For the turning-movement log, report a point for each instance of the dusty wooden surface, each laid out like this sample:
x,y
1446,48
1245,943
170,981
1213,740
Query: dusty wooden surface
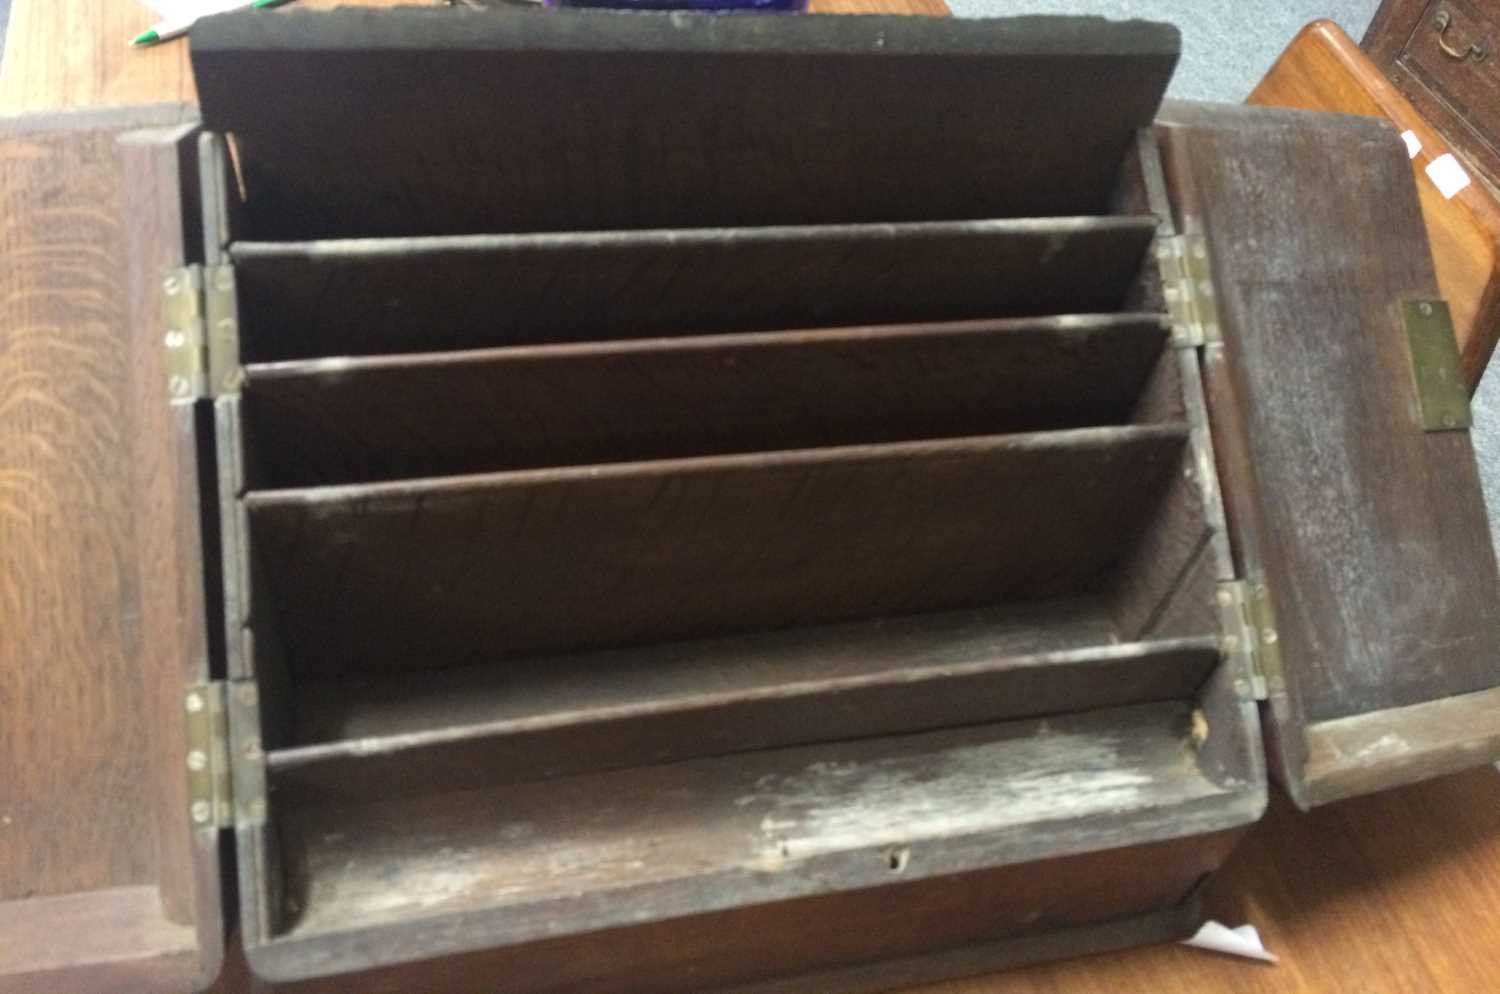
x,y
1348,498
1322,69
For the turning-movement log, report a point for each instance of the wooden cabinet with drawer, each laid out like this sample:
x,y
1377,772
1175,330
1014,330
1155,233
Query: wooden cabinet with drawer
x,y
581,502
1444,55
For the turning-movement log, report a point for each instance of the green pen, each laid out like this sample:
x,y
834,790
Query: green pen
x,y
167,30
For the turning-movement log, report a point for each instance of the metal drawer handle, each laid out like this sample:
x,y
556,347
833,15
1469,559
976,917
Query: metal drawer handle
x,y
1475,51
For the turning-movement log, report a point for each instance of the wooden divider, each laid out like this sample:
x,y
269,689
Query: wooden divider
x,y
361,420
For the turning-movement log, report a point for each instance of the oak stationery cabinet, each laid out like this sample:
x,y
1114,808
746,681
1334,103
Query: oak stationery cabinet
x,y
642,503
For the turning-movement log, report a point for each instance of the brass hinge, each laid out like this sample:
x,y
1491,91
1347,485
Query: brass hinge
x,y
201,317
225,761
1188,286
210,795
1442,397
1250,638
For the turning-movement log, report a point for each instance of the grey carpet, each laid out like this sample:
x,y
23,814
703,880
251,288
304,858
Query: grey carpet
x,y
1227,46
4,20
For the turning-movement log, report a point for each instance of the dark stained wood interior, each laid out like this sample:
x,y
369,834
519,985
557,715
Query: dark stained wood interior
x,y
366,297
360,420
498,121
494,566
546,718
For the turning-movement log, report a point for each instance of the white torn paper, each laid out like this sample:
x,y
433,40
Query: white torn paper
x,y
1243,941
1449,176
1413,143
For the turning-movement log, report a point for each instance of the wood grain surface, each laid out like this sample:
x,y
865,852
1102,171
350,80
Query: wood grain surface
x,y
1322,69
98,620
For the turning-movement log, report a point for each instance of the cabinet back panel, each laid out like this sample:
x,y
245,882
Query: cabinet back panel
x,y
498,120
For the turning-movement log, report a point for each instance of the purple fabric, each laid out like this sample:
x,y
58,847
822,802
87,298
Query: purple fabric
x,y
684,4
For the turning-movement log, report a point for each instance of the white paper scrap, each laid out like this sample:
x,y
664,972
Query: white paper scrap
x,y
1243,941
1413,143
1448,175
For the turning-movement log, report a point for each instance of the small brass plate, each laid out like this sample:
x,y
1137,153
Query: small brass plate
x,y
1442,400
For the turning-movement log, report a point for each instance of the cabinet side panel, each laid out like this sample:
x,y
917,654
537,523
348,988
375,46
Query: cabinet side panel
x,y
97,588
1369,532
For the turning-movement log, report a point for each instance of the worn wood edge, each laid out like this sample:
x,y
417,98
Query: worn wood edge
x,y
500,30
915,677
353,251
1383,749
291,957
1234,470
116,940
995,445
1145,324
165,481
1176,922
1205,114
1194,392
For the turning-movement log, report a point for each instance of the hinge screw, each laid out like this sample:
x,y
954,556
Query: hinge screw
x,y
194,703
171,284
197,761
246,694
202,811
251,749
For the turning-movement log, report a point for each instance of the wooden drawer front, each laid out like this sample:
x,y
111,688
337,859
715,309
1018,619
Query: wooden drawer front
x,y
1452,50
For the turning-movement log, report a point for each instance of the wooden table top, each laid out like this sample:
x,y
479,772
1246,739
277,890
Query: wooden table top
x,y
1393,894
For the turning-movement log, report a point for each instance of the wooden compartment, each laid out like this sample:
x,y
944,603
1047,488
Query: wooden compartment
x,y
699,570
581,853
604,573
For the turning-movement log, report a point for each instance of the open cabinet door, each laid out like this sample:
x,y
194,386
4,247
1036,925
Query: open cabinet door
x,y
105,883
1353,497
